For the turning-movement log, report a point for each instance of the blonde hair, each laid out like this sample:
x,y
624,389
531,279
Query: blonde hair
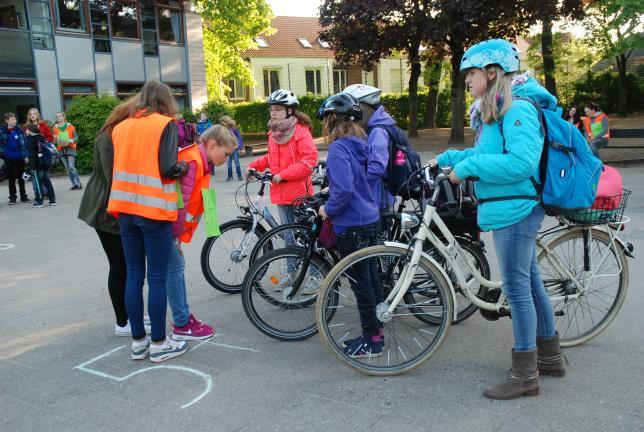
x,y
227,121
339,126
222,136
501,87
38,120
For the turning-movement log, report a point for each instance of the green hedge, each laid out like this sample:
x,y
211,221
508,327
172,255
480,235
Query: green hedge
x,y
87,114
603,89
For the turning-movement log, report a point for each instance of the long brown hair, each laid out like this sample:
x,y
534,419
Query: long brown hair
x,y
302,119
340,126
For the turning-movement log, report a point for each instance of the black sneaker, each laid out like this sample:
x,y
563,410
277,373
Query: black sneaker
x,y
240,178
362,348
52,203
25,200
38,204
12,201
229,179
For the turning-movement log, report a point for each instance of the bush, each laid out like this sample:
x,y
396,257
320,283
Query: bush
x,y
87,114
603,89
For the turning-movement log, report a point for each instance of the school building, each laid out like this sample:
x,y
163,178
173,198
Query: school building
x,y
53,50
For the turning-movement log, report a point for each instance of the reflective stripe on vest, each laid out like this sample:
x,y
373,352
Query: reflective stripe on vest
x,y
145,181
158,203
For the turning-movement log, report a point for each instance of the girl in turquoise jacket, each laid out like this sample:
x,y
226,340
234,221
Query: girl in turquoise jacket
x,y
505,159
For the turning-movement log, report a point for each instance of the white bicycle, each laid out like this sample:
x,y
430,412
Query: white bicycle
x,y
583,264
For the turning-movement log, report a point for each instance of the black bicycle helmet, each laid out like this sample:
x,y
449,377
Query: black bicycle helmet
x,y
341,103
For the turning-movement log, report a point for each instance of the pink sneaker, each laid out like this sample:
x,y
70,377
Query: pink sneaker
x,y
192,331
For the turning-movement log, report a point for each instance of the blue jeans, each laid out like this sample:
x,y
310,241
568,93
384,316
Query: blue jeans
x,y
597,144
146,239
176,287
516,251
234,157
287,216
69,162
365,278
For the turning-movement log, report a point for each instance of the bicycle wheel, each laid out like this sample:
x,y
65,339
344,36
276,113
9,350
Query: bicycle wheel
x,y
266,289
225,265
408,341
603,288
465,308
276,239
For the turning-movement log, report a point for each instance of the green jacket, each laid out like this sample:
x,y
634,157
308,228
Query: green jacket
x,y
93,206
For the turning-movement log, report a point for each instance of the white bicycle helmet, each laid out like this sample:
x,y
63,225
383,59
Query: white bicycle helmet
x,y
283,97
364,93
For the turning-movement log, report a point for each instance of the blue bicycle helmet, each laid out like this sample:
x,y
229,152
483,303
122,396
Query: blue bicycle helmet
x,y
340,103
491,52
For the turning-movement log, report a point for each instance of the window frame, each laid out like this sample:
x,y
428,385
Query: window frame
x,y
36,33
55,20
64,83
139,29
33,83
343,72
186,95
179,9
269,90
125,95
236,85
317,80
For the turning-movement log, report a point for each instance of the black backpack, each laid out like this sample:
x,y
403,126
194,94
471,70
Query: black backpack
x,y
404,162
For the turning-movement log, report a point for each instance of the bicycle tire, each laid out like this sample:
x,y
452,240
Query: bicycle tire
x,y
335,329
269,311
565,246
266,243
214,275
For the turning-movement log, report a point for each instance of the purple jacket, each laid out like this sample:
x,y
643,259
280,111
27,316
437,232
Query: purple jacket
x,y
187,189
378,158
351,202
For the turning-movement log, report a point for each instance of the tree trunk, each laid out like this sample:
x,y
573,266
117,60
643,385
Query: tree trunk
x,y
623,85
435,67
413,97
548,56
457,135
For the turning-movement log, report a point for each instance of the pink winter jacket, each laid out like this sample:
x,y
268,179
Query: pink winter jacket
x,y
187,188
293,161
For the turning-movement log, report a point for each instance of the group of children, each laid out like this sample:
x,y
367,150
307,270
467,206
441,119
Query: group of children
x,y
594,127
24,152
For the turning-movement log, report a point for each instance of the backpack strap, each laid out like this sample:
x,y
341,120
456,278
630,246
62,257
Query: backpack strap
x,y
537,186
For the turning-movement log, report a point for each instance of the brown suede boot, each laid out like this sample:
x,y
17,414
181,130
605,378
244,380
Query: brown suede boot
x,y
523,379
550,359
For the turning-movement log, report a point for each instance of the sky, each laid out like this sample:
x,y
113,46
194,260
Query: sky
x,y
295,7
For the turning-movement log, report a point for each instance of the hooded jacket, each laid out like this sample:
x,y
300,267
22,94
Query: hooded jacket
x,y
293,161
504,174
378,156
351,202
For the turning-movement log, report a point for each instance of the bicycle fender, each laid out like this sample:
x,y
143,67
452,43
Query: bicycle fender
x,y
438,266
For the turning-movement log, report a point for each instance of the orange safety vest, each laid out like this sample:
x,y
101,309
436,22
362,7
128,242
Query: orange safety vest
x,y
137,185
194,207
588,126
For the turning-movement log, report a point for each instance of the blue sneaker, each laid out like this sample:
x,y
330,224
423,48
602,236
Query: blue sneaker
x,y
363,348
381,333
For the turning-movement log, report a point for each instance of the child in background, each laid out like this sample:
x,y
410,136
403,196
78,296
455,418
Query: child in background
x,y
65,138
39,170
203,124
217,143
13,148
230,124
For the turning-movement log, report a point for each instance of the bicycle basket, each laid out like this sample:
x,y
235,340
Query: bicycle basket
x,y
609,209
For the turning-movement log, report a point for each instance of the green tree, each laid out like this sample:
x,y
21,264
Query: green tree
x,y
230,27
615,28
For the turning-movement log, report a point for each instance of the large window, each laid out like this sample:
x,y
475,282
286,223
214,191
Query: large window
x,y
98,12
70,15
149,28
271,81
13,15
16,55
396,80
70,89
313,81
170,29
237,91
368,78
339,80
18,97
180,92
124,17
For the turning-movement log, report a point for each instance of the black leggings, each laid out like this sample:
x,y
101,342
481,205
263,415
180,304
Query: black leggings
x,y
118,273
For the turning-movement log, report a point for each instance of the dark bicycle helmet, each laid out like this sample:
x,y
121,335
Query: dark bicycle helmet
x,y
283,97
341,103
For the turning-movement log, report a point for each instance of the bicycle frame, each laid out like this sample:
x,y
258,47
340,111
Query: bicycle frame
x,y
449,248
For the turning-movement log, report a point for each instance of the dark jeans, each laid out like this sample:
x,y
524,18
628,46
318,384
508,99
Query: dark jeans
x,y
365,280
42,184
146,239
14,172
117,277
234,157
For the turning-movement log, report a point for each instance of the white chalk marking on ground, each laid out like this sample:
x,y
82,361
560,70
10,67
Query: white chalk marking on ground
x,y
207,378
228,346
6,246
